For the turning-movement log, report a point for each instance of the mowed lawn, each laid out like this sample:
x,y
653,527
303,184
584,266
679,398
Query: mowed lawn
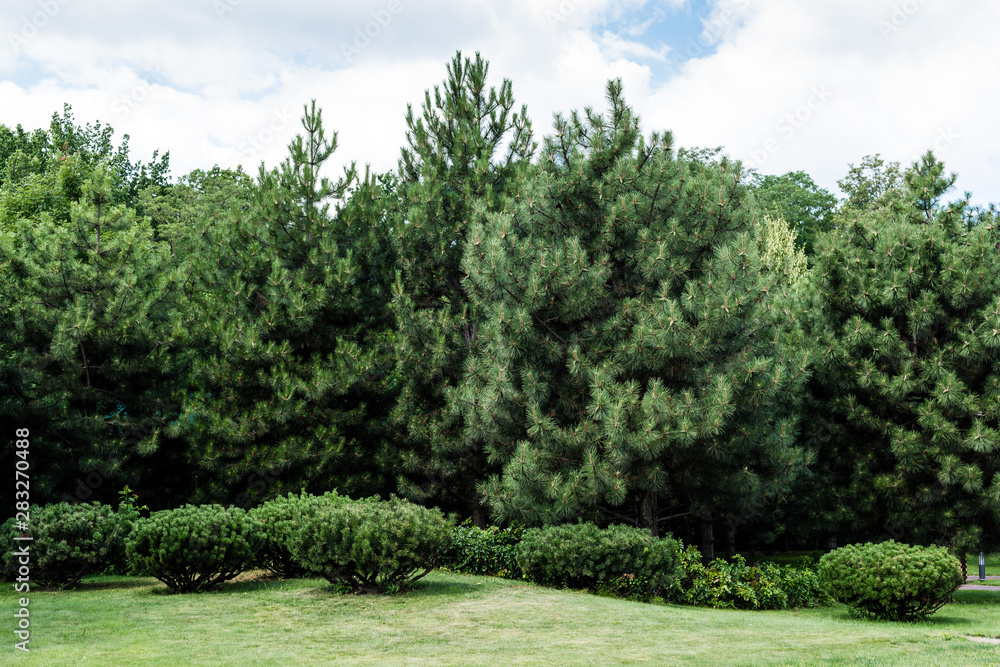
x,y
452,619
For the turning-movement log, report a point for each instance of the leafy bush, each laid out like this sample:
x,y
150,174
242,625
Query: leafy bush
x,y
488,551
736,585
368,545
69,542
129,510
585,556
890,580
276,520
194,547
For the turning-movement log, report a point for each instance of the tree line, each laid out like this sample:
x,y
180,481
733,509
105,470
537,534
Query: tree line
x,y
600,326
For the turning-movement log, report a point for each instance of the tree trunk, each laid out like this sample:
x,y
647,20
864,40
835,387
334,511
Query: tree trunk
x,y
479,517
730,540
649,510
707,537
963,558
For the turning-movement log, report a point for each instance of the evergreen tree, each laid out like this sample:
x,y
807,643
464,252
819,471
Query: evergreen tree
x,y
628,366
295,343
905,397
454,159
92,362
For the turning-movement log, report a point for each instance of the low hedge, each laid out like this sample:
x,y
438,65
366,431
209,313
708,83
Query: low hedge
x,y
617,559
69,542
890,580
736,585
194,547
368,545
487,551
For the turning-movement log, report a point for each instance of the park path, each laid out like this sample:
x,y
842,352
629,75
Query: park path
x,y
974,587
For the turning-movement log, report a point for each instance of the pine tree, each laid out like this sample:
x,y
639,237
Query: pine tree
x,y
296,341
93,358
627,368
453,160
905,396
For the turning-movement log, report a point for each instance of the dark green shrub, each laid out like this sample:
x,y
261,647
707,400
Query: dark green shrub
x,y
585,556
276,520
69,542
194,547
369,545
890,580
488,551
8,567
736,585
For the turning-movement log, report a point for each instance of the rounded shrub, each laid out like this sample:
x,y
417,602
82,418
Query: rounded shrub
x,y
368,545
890,580
194,547
69,542
276,519
583,556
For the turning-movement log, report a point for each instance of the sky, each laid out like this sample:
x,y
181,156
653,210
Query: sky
x,y
782,85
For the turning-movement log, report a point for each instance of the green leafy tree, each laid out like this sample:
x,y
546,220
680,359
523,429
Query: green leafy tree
x,y
201,197
796,198
21,153
94,144
872,184
24,154
905,395
454,159
628,367
295,343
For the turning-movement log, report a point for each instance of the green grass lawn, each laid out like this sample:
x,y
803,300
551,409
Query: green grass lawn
x,y
452,619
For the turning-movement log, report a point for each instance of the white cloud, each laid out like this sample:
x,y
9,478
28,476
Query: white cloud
x,y
898,94
813,85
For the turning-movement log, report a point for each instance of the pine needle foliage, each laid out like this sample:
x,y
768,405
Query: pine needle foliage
x,y
455,158
294,330
905,398
93,358
628,366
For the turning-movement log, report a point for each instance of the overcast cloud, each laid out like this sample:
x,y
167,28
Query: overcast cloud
x,y
780,84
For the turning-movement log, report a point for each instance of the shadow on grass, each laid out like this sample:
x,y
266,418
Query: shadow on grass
x,y
116,582
230,587
425,588
420,589
317,585
988,598
941,617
